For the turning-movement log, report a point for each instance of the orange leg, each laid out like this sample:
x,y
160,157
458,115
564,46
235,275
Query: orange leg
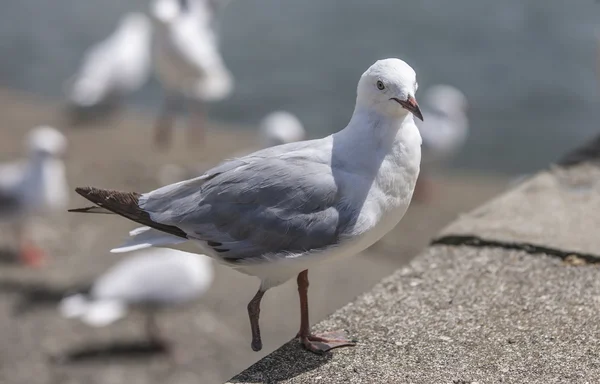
x,y
316,343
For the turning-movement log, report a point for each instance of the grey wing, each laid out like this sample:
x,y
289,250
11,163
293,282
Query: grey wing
x,y
258,206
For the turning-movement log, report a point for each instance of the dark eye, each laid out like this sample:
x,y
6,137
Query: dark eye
x,y
380,85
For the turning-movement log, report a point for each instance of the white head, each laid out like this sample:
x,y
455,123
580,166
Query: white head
x,y
47,141
136,22
447,99
280,127
167,11
389,87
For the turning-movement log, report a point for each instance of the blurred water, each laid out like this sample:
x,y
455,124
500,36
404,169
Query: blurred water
x,y
527,66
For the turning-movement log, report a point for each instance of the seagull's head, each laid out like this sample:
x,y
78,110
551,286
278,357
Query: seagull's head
x,y
168,11
447,99
47,141
389,87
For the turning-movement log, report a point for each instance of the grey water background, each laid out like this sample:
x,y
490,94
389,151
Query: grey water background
x,y
528,67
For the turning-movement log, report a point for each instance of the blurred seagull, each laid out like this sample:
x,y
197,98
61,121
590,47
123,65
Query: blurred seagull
x,y
444,131
38,186
188,64
113,68
153,279
280,127
278,212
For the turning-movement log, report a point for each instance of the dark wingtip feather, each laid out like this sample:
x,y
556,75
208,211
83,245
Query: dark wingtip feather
x,y
83,190
92,209
124,204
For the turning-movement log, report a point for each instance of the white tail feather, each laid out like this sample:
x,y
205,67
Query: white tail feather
x,y
146,237
73,306
93,313
102,313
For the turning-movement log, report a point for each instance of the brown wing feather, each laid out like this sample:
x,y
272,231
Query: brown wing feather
x,y
125,204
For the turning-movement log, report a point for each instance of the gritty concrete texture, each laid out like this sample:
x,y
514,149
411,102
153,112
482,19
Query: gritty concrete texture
x,y
554,209
211,338
460,315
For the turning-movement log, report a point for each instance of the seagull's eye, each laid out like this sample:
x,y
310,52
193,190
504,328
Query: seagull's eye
x,y
380,85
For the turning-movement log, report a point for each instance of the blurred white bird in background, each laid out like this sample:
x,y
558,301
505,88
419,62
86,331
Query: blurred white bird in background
x,y
113,68
35,187
444,130
151,280
280,127
188,64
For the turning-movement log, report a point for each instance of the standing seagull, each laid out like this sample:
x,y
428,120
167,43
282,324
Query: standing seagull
x,y
188,64
153,279
279,211
38,186
444,132
114,67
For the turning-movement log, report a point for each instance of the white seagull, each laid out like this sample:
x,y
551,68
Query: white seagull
x,y
153,279
115,67
280,127
444,130
188,63
35,187
282,210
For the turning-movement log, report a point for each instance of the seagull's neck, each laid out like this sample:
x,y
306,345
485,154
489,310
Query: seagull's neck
x,y
376,131
372,139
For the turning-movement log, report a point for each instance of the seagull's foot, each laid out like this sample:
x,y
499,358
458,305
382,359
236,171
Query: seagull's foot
x,y
256,345
32,256
325,342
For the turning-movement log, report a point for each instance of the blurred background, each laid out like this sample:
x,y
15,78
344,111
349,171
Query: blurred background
x,y
527,68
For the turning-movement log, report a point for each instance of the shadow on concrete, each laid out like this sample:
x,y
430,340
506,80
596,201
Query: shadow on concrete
x,y
33,295
131,350
9,256
285,363
91,117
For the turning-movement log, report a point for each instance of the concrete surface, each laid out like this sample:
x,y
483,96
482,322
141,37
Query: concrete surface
x,y
552,209
211,339
460,315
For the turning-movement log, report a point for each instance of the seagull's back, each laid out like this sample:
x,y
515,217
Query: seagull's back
x,y
188,58
115,66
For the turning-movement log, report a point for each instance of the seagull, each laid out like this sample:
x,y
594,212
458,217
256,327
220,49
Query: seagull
x,y
113,68
444,132
35,187
280,127
151,279
188,63
277,212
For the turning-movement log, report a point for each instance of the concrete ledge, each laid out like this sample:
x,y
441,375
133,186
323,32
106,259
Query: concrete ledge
x,y
552,210
508,293
458,315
